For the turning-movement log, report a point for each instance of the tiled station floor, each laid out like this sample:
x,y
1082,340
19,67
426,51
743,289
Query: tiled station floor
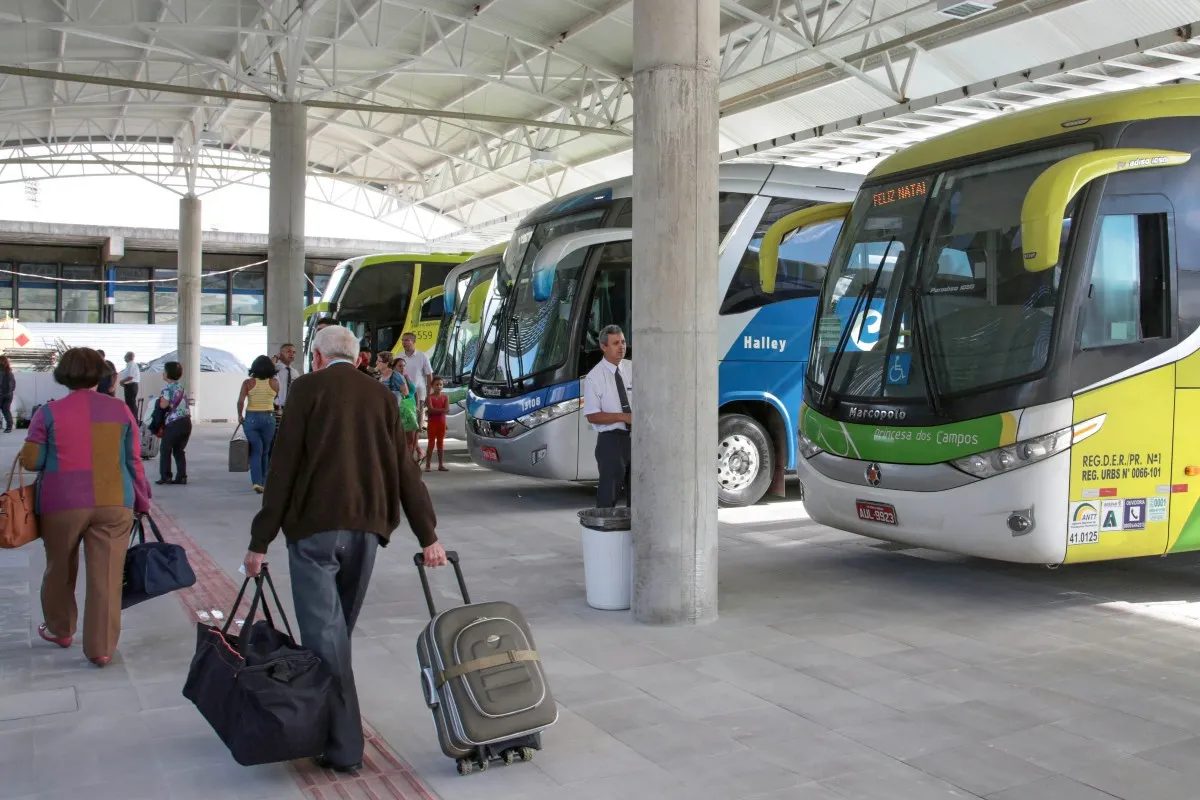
x,y
841,669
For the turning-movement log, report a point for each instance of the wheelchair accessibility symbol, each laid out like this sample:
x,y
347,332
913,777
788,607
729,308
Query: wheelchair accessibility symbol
x,y
898,368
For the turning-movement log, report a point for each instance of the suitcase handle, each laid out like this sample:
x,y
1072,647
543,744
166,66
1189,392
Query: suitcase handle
x,y
452,557
431,695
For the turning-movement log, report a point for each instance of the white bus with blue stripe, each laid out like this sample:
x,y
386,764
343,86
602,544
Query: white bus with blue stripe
x,y
567,274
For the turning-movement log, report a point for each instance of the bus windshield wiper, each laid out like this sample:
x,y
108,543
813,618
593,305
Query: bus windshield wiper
x,y
497,323
925,351
515,331
840,348
865,295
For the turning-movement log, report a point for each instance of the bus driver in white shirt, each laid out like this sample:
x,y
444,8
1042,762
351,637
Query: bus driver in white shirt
x,y
607,398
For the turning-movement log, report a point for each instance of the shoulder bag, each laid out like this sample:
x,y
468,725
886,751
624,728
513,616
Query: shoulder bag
x,y
239,451
18,510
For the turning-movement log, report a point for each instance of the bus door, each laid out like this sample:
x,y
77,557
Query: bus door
x,y
1124,484
609,303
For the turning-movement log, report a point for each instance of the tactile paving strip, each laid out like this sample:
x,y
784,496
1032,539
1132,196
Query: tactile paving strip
x,y
384,776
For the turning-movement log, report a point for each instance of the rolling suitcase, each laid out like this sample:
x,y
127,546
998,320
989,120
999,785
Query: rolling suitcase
x,y
150,441
482,679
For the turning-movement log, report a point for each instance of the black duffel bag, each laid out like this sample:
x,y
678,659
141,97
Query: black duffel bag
x,y
153,568
267,697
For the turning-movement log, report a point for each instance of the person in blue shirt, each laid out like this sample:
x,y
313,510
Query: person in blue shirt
x,y
177,426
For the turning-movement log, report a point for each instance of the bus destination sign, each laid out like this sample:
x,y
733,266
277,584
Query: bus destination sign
x,y
895,194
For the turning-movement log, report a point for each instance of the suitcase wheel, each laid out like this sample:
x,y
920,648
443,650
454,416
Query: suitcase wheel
x,y
468,765
527,754
508,756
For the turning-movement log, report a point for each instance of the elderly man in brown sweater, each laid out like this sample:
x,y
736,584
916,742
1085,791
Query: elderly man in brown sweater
x,y
339,479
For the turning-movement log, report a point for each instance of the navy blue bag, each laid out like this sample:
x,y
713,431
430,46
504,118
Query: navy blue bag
x,y
153,568
266,697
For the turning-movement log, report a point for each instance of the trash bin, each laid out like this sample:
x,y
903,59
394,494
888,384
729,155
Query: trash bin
x,y
607,557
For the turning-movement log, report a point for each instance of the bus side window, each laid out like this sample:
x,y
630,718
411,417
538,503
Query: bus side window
x,y
611,302
1129,300
433,309
803,256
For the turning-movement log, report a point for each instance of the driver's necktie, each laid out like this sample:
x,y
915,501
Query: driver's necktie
x,y
623,396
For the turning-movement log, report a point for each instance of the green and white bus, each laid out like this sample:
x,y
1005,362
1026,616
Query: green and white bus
x,y
1006,358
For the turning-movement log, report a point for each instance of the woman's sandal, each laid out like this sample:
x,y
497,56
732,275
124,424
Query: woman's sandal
x,y
62,641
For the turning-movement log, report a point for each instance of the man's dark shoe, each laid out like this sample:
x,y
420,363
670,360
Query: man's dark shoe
x,y
349,769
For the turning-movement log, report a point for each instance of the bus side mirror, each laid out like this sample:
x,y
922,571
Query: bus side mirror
x,y
1046,202
475,302
543,284
768,254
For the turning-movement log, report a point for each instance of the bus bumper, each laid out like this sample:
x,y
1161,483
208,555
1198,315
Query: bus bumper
x,y
549,451
971,519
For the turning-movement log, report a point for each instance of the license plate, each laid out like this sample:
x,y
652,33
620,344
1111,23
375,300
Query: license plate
x,y
490,454
876,512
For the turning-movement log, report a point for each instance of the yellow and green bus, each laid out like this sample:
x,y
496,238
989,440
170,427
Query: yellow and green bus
x,y
1006,357
380,297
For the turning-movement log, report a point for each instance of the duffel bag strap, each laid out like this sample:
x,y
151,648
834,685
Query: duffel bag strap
x,y
487,662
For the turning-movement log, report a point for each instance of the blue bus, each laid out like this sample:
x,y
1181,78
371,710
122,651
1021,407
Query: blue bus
x,y
566,274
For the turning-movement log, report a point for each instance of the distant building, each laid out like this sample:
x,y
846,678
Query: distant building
x,y
80,274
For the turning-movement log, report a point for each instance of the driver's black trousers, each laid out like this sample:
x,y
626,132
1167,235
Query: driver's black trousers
x,y
614,451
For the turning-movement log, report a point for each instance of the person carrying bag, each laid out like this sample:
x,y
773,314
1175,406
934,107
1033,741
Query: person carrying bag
x,y
268,698
406,394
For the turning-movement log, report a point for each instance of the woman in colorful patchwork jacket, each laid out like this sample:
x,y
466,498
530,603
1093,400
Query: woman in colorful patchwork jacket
x,y
87,449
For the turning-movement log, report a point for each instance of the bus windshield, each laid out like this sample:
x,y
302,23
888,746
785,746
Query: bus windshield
x,y
937,256
335,282
378,292
458,339
529,336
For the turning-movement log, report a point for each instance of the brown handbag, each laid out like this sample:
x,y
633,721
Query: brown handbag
x,y
18,522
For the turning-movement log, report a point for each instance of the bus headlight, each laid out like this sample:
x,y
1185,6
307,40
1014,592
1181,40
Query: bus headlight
x,y
1014,456
494,429
544,415
808,448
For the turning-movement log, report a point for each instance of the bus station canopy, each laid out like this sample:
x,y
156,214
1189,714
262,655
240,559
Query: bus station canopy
x,y
451,118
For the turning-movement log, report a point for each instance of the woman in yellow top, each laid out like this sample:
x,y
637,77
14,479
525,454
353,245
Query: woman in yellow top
x,y
258,418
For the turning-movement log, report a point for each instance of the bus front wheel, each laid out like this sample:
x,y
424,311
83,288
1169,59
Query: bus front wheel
x,y
745,460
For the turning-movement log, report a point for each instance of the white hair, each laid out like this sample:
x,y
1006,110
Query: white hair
x,y
335,342
609,330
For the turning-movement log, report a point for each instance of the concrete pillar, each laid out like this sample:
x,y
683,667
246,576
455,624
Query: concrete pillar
x,y
285,242
187,320
674,342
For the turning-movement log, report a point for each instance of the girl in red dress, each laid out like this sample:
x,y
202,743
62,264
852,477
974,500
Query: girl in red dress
x,y
436,406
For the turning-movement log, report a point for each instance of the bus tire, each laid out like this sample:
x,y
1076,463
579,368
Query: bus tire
x,y
745,460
